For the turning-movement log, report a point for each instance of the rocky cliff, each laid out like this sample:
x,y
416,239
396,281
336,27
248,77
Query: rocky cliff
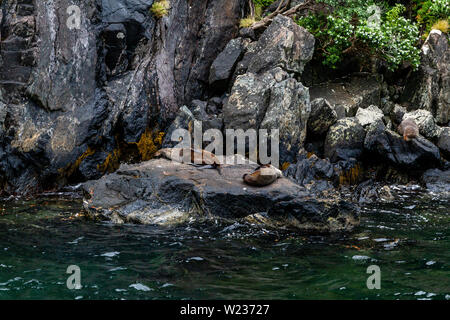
x,y
84,90
80,94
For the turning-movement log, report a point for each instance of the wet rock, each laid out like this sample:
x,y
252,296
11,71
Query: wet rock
x,y
425,121
429,87
318,175
345,140
369,191
321,118
437,180
225,63
444,142
283,44
369,115
388,145
348,94
151,191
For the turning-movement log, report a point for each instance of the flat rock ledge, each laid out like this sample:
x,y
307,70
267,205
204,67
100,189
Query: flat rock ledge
x,y
164,192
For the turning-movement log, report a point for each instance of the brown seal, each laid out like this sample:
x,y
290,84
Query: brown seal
x,y
408,129
262,176
194,156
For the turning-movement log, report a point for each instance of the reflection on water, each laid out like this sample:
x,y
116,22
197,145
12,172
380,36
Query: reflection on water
x,y
409,240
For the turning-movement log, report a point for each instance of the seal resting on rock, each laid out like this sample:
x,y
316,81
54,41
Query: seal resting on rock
x,y
262,176
409,129
179,155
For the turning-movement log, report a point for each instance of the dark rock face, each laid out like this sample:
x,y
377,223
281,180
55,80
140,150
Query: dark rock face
x,y
437,180
77,101
444,142
225,63
321,118
429,87
345,140
320,176
161,190
388,145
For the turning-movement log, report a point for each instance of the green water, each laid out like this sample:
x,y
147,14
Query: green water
x,y
409,240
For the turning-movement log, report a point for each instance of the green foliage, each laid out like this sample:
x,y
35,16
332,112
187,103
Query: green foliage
x,y
431,11
345,28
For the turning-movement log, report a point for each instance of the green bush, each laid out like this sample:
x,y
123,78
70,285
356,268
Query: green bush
x,y
430,12
344,28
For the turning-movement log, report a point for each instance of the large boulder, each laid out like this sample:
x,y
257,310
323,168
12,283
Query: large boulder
x,y
288,111
283,44
270,101
348,94
345,140
249,99
429,87
369,115
425,121
388,145
321,118
161,190
223,66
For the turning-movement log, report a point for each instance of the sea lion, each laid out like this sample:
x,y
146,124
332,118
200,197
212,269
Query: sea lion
x,y
178,154
408,129
262,176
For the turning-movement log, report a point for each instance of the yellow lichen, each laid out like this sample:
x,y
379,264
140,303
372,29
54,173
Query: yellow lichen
x,y
441,25
160,8
285,165
247,22
149,143
74,166
111,163
351,176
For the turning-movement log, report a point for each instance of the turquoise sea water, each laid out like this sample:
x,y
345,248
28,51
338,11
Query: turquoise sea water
x,y
409,240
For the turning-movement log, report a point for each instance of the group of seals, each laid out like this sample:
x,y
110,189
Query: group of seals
x,y
408,129
262,176
191,156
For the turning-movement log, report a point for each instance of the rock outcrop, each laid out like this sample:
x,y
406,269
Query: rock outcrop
x,y
345,140
164,191
429,87
390,146
80,98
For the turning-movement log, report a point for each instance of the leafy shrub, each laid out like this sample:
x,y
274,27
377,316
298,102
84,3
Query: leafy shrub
x,y
345,28
430,12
